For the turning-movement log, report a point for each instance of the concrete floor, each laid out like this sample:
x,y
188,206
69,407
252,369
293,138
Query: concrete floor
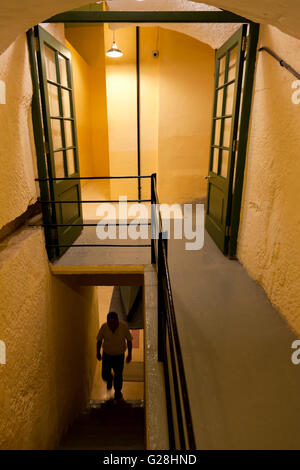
x,y
243,387
101,255
93,256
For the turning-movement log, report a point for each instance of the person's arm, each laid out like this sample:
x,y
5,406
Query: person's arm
x,y
99,344
129,346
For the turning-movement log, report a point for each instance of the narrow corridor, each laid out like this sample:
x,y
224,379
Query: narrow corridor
x,y
107,423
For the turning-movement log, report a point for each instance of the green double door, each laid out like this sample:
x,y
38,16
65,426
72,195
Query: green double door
x,y
224,143
60,141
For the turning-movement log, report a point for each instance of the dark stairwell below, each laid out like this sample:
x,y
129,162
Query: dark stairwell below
x,y
108,425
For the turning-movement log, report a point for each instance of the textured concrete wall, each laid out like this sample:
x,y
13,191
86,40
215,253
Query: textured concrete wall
x,y
17,151
270,230
49,329
17,188
213,34
16,15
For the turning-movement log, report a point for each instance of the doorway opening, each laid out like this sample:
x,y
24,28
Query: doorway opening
x,y
127,302
148,113
107,422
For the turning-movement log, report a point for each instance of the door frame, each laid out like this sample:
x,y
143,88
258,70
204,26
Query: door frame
x,y
217,181
58,234
38,132
246,107
222,16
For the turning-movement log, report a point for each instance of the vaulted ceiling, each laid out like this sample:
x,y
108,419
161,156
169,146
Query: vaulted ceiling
x,y
16,16
212,34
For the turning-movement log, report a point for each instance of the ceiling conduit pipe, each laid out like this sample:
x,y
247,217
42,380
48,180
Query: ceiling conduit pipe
x,y
281,61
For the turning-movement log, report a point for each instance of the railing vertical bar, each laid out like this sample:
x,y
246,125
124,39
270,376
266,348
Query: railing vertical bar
x,y
138,106
168,392
176,385
153,219
161,317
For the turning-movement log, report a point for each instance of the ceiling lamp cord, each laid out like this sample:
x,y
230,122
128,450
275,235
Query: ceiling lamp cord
x,y
114,52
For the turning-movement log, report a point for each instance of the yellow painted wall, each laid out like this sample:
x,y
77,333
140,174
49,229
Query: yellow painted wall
x,y
149,93
48,327
121,82
81,78
121,111
186,74
269,236
176,106
87,46
17,187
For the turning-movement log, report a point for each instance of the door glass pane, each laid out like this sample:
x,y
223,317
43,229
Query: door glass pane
x,y
222,70
53,100
59,164
232,64
70,161
68,134
224,167
229,99
215,161
66,103
50,64
56,134
220,102
63,70
218,131
227,132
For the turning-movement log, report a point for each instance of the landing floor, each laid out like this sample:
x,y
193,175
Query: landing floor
x,y
243,387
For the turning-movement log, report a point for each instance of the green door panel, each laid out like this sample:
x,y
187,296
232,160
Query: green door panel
x,y
227,97
59,121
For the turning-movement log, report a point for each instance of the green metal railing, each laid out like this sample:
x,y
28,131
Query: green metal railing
x,y
50,202
181,431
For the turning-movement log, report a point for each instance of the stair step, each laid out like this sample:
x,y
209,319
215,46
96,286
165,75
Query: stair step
x,y
108,425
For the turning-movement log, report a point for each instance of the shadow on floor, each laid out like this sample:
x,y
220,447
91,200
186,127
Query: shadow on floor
x,y
108,425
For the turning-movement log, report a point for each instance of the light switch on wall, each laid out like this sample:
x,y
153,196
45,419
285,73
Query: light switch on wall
x,y
2,92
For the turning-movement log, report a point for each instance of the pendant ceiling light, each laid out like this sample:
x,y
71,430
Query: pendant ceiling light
x,y
114,51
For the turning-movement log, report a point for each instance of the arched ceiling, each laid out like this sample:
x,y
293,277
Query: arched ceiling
x,y
16,16
212,34
284,14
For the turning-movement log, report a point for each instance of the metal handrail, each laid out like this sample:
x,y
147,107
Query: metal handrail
x,y
62,178
44,203
183,383
168,325
80,201
282,62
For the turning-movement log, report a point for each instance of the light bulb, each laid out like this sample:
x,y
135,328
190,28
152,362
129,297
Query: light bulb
x,y
114,51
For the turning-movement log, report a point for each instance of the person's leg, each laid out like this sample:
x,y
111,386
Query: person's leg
x,y
106,370
118,366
